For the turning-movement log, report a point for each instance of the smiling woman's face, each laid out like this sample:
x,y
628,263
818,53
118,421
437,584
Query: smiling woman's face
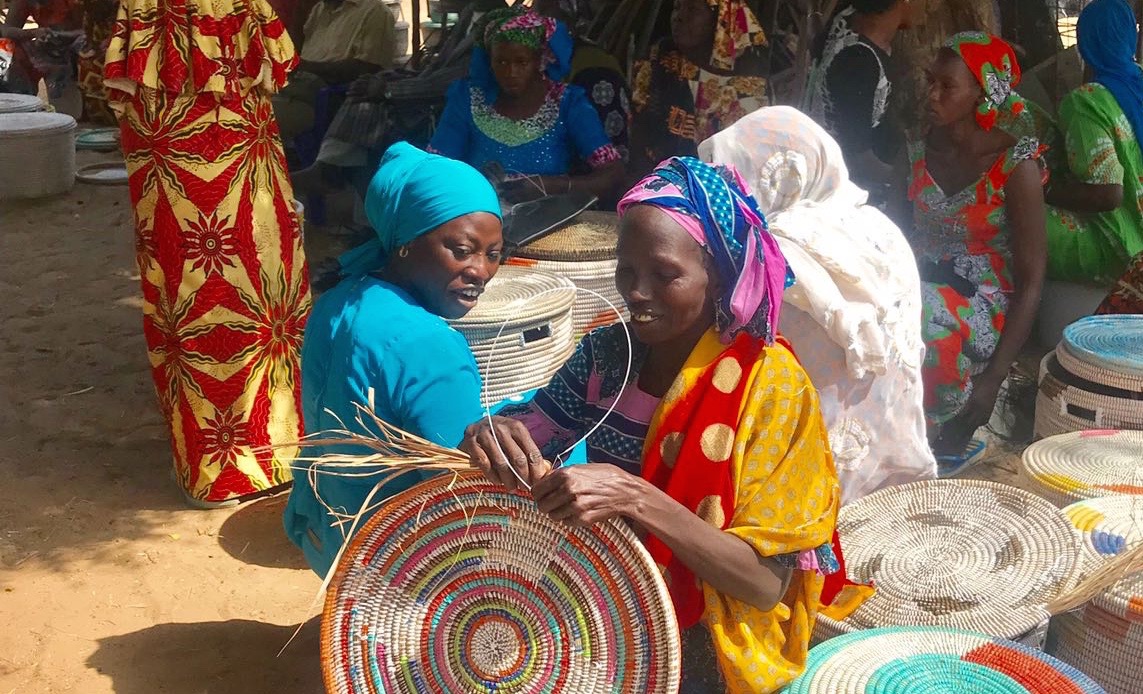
x,y
447,268
664,277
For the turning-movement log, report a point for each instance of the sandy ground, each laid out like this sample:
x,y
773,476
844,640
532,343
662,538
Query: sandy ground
x,y
107,582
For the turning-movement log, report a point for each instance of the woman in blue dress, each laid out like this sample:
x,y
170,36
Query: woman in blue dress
x,y
515,111
380,337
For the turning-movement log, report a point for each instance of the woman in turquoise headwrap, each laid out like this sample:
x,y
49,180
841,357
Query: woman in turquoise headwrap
x,y
379,338
515,111
1097,224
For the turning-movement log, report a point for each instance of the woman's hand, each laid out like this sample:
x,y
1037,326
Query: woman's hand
x,y
370,88
503,449
957,432
585,494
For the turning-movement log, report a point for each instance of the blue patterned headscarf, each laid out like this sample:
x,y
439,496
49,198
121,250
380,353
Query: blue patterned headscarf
x,y
520,25
413,193
714,205
1107,39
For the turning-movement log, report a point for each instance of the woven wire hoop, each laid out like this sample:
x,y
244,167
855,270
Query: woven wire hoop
x,y
965,554
1066,468
458,585
924,660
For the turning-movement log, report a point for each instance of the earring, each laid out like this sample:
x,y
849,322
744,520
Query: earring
x,y
403,252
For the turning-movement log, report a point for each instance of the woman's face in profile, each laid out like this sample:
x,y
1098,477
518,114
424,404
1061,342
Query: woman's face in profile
x,y
446,269
662,274
954,93
515,67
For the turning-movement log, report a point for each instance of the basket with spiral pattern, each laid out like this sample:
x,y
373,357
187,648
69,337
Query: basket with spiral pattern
x,y
1083,465
583,252
458,585
928,660
1094,378
964,554
1104,638
520,331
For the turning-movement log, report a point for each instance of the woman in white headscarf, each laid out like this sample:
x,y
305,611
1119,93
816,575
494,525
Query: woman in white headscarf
x,y
856,318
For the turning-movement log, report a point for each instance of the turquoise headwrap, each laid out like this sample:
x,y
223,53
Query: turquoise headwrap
x,y
412,193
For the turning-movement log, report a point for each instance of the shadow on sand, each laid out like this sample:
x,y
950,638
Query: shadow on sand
x,y
254,535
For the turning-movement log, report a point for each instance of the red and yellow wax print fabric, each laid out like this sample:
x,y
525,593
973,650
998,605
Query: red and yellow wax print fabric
x,y
218,243
739,440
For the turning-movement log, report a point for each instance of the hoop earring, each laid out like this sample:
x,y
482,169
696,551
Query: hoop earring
x,y
403,252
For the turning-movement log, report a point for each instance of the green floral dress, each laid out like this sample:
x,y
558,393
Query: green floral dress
x,y
1101,150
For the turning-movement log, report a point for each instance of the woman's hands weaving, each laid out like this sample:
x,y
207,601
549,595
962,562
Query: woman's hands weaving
x,y
503,449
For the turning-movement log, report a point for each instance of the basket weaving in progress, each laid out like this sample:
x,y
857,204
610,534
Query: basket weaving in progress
x,y
458,585
37,155
520,331
1104,638
928,660
964,554
1084,465
583,252
1094,378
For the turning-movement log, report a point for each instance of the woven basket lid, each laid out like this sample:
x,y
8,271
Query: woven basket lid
x,y
18,125
1110,342
20,103
518,297
457,585
966,554
1109,526
590,236
934,660
1086,464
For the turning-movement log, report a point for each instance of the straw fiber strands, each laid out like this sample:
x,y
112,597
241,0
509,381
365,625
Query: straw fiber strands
x,y
1094,378
932,660
520,331
458,585
1083,465
1104,638
583,252
965,554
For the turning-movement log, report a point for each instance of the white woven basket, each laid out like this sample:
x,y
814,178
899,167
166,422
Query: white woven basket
x,y
1062,407
520,331
1067,468
37,155
20,103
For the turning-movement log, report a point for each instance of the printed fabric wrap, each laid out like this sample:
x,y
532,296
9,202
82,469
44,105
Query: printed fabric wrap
x,y
992,61
526,28
715,207
736,31
1107,38
739,441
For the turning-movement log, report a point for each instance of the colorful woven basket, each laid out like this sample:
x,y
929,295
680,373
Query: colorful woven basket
x,y
520,331
964,554
583,252
1094,378
461,586
928,660
1083,465
1104,638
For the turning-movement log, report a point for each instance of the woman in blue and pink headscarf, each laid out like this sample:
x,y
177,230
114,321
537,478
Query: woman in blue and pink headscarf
x,y
714,447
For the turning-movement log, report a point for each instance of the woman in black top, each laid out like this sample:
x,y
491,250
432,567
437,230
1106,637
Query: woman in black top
x,y
850,87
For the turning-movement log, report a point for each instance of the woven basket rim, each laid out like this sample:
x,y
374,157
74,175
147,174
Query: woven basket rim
x,y
546,296
576,241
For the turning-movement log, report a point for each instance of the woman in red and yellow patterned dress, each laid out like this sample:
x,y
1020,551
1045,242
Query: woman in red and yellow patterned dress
x,y
218,243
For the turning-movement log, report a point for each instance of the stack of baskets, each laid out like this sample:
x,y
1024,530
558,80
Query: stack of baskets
x,y
37,154
520,331
1104,638
583,252
1094,378
1067,468
20,103
965,554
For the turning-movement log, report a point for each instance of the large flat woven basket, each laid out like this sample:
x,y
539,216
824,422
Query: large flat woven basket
x,y
1066,468
583,252
964,554
1094,378
37,155
932,660
457,586
1104,638
520,331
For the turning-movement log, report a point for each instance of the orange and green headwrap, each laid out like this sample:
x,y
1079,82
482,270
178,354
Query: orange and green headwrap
x,y
992,61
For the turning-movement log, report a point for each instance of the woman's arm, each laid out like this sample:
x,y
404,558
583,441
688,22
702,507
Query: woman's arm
x,y
1093,181
1084,197
600,182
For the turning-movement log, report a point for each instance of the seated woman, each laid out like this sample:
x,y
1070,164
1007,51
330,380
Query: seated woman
x,y
715,448
515,111
853,313
379,338
1096,225
709,73
46,52
979,238
850,88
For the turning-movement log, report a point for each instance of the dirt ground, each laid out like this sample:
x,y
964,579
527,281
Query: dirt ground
x,y
108,583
